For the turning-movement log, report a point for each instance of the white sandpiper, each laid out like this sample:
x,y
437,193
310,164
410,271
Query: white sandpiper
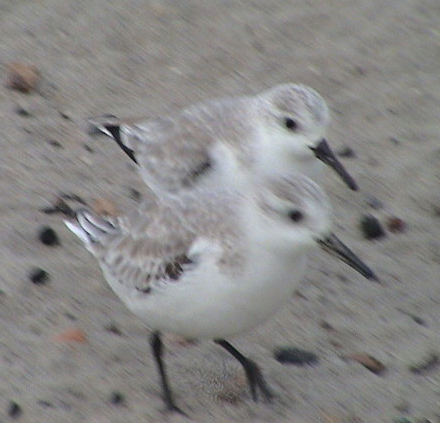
x,y
216,142
211,264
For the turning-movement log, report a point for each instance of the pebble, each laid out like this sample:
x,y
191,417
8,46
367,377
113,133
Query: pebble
x,y
14,410
72,335
113,328
22,77
116,398
135,194
395,225
369,362
371,227
22,112
39,276
296,356
346,151
428,363
48,236
55,143
88,148
394,140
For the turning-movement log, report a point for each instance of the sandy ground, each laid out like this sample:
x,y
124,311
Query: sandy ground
x,y
375,62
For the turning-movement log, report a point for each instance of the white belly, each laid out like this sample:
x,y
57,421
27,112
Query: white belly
x,y
216,307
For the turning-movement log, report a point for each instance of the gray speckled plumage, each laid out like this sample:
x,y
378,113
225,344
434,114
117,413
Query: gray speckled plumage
x,y
210,141
152,243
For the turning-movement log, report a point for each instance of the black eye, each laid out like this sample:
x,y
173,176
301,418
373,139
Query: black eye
x,y
290,124
296,215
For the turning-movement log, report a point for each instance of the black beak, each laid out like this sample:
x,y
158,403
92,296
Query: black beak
x,y
324,153
335,247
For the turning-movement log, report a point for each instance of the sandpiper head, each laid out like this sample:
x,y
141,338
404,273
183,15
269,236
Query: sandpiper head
x,y
296,216
296,118
295,210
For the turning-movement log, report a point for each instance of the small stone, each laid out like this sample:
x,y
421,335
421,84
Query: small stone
x,y
395,224
88,148
371,227
431,361
14,410
55,143
393,140
72,335
116,398
39,276
22,112
105,207
296,356
346,151
403,406
64,115
48,236
368,361
113,328
135,194
22,77
326,325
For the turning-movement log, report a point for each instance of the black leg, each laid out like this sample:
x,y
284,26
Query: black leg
x,y
157,347
253,373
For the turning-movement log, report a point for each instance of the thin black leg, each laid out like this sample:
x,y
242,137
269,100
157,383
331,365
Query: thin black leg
x,y
253,373
157,347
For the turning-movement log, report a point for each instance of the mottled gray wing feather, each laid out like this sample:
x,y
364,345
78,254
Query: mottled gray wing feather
x,y
175,151
153,243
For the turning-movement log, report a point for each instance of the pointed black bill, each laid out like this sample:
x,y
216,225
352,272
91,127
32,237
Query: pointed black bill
x,y
110,126
115,133
324,153
333,245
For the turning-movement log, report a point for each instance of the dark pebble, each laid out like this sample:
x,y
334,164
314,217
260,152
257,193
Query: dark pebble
x,y
426,365
39,276
393,140
48,236
371,227
296,356
22,112
88,148
14,410
55,143
113,328
346,151
64,115
71,316
116,398
135,194
326,325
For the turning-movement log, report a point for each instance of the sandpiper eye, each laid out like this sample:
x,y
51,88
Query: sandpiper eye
x,y
290,124
296,215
